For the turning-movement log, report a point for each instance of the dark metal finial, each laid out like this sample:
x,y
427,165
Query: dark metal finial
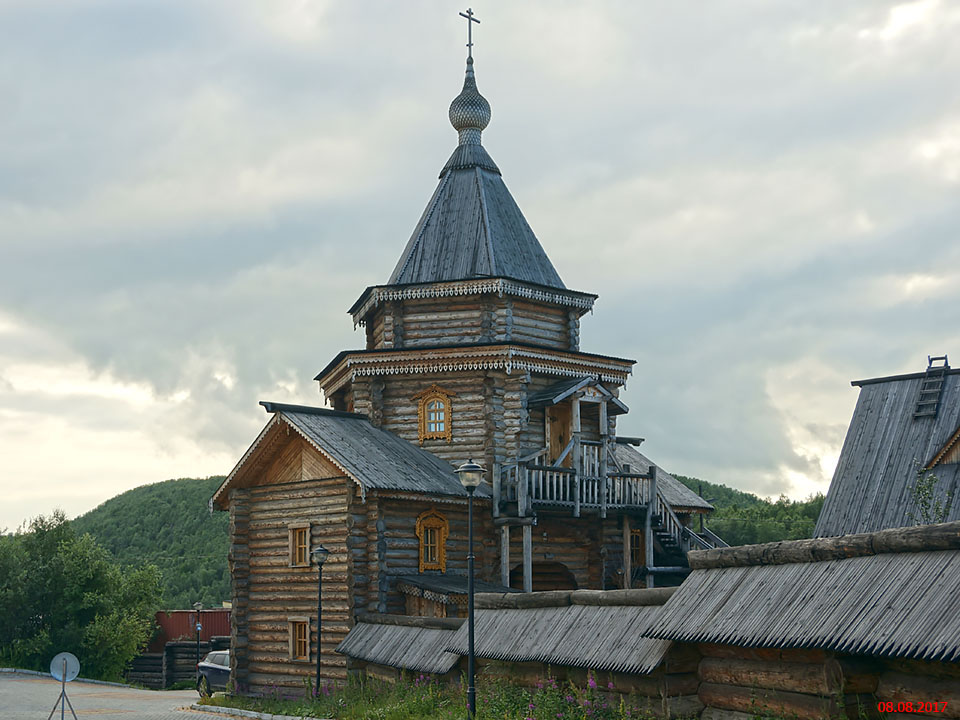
x,y
470,20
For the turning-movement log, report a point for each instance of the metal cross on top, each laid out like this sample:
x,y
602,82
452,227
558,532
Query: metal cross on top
x,y
470,21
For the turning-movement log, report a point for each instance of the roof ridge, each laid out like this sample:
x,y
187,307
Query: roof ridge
x,y
920,538
274,407
892,378
414,241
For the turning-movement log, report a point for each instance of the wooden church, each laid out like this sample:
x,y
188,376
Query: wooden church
x,y
472,352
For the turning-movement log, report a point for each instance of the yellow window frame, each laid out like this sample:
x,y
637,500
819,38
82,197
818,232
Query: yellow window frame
x,y
432,532
435,414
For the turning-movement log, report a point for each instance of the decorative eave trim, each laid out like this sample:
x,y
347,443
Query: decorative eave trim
x,y
374,296
501,357
459,599
415,496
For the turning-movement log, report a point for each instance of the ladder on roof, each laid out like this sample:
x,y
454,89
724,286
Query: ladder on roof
x,y
931,387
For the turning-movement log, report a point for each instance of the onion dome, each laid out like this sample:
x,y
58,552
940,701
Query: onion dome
x,y
469,111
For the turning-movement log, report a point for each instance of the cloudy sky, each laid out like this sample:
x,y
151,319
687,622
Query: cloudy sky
x,y
193,193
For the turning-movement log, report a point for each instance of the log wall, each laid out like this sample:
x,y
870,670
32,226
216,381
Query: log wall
x,y
558,538
489,416
539,324
398,548
812,684
469,320
275,591
239,563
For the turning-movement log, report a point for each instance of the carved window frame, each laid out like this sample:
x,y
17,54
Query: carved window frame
x,y
295,532
431,524
434,393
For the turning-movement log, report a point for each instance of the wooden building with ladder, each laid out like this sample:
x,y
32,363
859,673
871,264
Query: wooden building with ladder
x,y
472,352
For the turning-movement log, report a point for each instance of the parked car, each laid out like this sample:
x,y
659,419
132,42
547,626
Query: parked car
x,y
213,672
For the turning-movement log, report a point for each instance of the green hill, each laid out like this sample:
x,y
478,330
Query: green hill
x,y
168,524
742,518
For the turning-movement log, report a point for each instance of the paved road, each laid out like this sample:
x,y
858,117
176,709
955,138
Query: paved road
x,y
25,697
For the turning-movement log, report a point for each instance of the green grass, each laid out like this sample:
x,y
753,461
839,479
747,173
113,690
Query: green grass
x,y
419,697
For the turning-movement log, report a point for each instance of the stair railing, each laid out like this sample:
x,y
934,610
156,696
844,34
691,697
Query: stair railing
x,y
670,522
713,538
695,539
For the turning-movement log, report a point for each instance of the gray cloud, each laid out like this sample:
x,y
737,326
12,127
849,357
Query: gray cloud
x,y
192,195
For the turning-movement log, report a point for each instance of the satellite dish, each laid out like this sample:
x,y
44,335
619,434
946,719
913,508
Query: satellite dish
x,y
65,667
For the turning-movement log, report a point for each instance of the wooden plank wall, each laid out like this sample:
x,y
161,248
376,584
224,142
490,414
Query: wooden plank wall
x,y
612,552
278,591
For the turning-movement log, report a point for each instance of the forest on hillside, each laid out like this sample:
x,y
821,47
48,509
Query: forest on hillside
x,y
168,524
742,518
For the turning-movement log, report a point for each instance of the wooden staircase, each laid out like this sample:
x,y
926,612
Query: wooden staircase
x,y
931,387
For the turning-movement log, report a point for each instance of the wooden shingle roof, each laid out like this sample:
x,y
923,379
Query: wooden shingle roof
x,y
472,228
889,594
579,628
373,458
874,484
414,643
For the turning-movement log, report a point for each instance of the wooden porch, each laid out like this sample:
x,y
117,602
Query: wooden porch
x,y
594,485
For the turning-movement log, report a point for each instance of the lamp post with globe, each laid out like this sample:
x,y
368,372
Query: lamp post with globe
x,y
471,475
319,554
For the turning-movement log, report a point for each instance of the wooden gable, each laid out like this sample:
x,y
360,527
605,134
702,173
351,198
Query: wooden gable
x,y
296,461
949,453
279,455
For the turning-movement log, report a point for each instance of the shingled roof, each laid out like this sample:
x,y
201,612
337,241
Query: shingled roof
x,y
888,594
578,628
411,643
874,484
472,226
373,458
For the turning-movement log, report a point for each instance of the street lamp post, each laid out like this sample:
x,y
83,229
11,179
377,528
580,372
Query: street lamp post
x,y
320,554
198,606
471,475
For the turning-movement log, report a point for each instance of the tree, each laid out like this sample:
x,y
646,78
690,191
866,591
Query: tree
x,y
63,592
930,506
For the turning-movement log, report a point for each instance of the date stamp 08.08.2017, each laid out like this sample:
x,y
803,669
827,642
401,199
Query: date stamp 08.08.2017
x,y
934,706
